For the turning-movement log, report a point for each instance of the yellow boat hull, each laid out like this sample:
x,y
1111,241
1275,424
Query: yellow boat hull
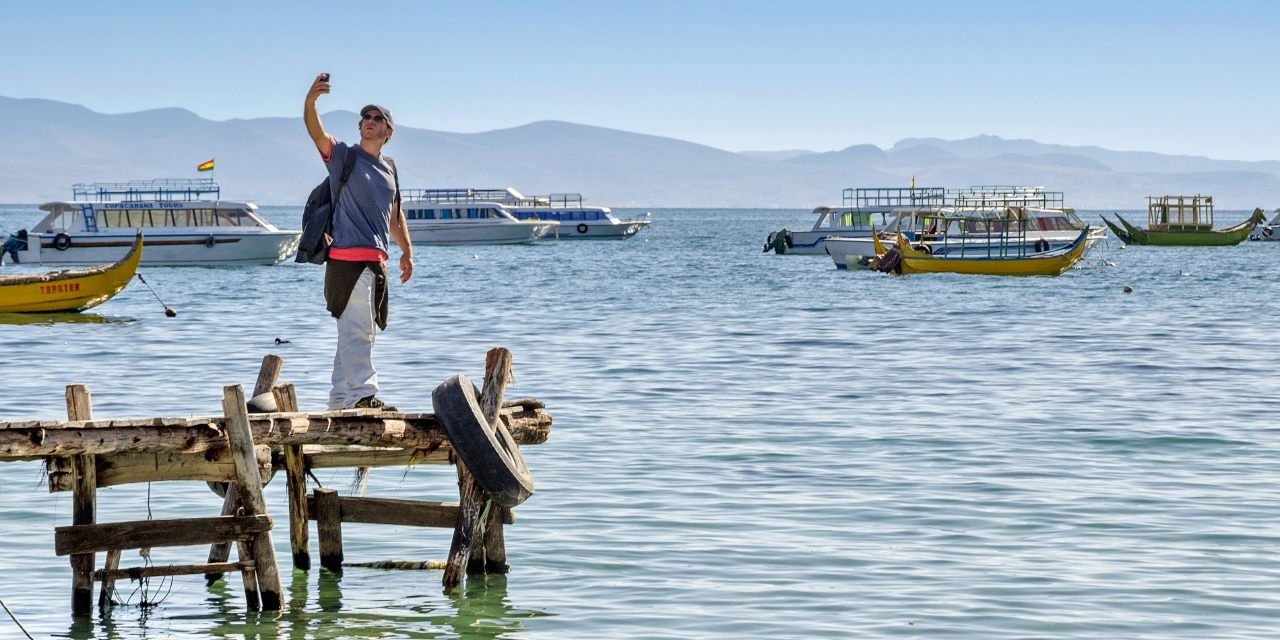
x,y
70,290
1049,263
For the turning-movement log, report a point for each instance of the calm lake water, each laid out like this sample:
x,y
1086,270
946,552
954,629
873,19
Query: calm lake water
x,y
745,445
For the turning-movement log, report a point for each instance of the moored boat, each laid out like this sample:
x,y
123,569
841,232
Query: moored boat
x,y
433,221
998,259
1184,221
69,290
576,221
1270,231
949,230
186,223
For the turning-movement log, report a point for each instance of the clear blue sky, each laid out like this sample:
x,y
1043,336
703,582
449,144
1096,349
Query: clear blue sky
x,y
1171,76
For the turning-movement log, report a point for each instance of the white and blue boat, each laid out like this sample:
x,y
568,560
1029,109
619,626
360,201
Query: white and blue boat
x,y
576,221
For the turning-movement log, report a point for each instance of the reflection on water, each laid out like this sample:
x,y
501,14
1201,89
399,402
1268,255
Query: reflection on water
x,y
66,317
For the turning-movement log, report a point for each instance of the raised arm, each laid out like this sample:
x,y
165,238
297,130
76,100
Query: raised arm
x,y
309,115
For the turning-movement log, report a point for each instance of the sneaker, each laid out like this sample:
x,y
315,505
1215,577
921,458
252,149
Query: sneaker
x,y
371,402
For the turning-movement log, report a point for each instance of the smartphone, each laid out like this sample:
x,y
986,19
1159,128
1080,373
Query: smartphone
x,y
324,77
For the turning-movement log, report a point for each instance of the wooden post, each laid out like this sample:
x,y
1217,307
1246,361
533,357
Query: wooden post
x,y
268,373
329,527
241,440
108,584
472,500
295,466
84,503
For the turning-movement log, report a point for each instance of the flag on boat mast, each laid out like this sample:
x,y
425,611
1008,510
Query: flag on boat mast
x,y
913,178
205,166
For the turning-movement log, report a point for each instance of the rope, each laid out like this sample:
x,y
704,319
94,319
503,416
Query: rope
x,y
15,620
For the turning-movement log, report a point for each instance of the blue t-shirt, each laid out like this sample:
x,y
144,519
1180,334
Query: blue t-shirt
x,y
362,217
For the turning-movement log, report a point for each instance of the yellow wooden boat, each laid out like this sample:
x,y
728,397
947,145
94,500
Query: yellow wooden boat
x,y
1045,263
69,290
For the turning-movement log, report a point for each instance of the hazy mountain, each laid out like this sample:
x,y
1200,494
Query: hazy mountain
x,y
52,145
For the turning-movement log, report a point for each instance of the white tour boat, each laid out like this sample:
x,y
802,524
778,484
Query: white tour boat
x,y
576,220
182,226
862,210
436,221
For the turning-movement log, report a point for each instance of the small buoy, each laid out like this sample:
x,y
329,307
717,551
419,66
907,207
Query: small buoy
x,y
475,257
168,311
1109,263
1124,246
1128,289
279,341
1183,273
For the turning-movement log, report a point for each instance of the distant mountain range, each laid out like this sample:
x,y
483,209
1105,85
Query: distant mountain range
x,y
52,145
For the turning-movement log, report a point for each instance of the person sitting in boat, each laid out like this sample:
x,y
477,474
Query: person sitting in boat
x,y
16,242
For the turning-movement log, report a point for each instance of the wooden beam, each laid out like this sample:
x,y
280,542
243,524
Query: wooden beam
x,y
295,486
242,443
406,513
368,427
143,466
84,503
90,538
472,499
171,570
329,526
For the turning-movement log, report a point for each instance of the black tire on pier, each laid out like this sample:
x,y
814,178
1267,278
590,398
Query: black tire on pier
x,y
489,452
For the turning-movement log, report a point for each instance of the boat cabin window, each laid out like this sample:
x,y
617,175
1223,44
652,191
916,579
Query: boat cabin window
x,y
133,218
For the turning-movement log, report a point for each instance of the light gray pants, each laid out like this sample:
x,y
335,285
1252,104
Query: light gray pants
x,y
353,374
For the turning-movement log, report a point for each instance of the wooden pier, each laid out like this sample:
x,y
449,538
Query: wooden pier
x,y
244,450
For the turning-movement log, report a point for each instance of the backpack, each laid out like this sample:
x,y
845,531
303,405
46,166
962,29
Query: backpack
x,y
317,218
317,215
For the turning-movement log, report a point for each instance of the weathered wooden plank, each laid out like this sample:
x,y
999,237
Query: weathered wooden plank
x,y
215,465
84,503
296,485
197,435
409,513
90,538
473,499
366,457
329,527
170,570
242,443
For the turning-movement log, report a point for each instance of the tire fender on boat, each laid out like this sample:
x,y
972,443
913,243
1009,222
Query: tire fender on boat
x,y
488,451
210,241
582,228
62,242
923,248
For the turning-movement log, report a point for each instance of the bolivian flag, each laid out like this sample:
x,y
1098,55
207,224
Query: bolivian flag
x,y
205,166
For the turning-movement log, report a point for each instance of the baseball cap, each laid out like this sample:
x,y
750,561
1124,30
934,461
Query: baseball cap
x,y
386,113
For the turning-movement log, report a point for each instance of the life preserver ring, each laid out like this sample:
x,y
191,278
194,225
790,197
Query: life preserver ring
x,y
210,241
62,242
582,228
489,451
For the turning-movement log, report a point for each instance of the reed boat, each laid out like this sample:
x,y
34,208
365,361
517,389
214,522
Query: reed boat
x,y
1000,259
1183,221
71,289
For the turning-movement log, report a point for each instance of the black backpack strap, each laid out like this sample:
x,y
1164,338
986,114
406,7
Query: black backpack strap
x,y
394,174
347,165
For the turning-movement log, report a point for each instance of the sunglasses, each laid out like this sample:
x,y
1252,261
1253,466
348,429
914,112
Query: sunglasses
x,y
377,118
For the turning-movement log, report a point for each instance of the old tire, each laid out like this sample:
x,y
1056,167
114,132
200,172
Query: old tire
x,y
582,228
62,242
489,452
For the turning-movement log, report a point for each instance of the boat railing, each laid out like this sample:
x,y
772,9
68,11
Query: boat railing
x,y
161,189
999,197
445,196
882,197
